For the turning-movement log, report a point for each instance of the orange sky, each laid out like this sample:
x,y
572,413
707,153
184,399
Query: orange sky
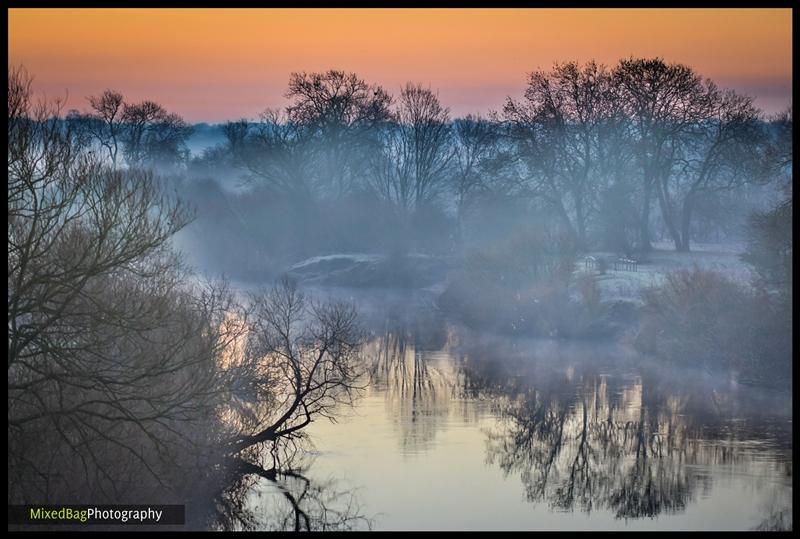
x,y
216,64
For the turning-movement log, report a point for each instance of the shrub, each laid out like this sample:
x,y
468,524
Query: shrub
x,y
769,247
696,317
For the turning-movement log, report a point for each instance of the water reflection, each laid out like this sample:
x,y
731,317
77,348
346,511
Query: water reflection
x,y
593,451
409,364
288,501
590,428
456,424
593,436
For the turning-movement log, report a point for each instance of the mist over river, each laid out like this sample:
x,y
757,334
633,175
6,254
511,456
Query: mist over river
x,y
458,429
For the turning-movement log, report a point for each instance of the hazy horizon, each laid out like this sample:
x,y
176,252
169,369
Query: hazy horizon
x,y
275,269
213,66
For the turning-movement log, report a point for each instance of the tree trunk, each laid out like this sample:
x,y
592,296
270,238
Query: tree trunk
x,y
580,219
666,213
686,222
644,223
460,227
562,212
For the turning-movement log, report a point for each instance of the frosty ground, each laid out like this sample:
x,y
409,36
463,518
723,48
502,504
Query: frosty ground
x,y
428,273
624,285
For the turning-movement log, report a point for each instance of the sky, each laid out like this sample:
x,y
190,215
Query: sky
x,y
218,64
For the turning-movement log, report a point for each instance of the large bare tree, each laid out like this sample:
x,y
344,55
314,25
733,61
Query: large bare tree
x,y
153,136
718,153
418,152
662,101
558,132
342,112
112,360
306,356
107,124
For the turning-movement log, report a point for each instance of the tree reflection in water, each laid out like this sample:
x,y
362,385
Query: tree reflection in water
x,y
420,391
581,439
586,428
267,500
590,453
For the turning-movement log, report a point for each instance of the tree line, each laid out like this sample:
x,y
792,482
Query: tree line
x,y
607,151
600,148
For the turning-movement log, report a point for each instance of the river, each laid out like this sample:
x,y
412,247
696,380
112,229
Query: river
x,y
460,430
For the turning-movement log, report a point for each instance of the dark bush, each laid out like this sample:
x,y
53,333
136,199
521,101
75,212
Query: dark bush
x,y
701,318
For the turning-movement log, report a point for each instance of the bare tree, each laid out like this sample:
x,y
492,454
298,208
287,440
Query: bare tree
x,y
306,357
108,116
152,135
662,101
342,112
720,152
558,131
617,215
475,140
236,134
113,380
418,151
769,245
778,152
277,154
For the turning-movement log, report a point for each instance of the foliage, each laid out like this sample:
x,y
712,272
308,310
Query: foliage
x,y
700,318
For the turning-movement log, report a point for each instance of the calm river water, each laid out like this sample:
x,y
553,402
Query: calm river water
x,y
465,431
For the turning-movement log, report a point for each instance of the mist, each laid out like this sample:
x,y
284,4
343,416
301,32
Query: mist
x,y
588,289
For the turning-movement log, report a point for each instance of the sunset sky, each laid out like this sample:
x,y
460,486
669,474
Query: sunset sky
x,y
215,64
